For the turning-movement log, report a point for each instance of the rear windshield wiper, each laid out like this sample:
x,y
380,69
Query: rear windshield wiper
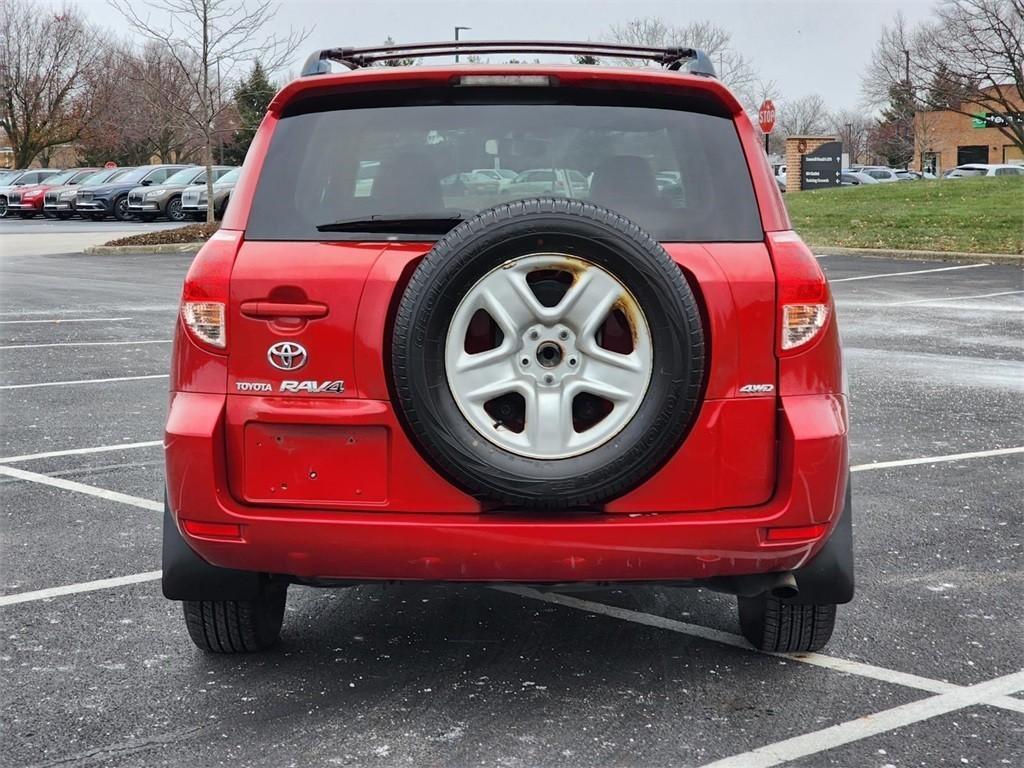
x,y
419,223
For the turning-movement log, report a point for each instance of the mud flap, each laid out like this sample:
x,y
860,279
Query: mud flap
x,y
828,578
188,577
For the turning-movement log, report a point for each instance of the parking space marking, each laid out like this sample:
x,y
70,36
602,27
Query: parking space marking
x,y
873,725
79,451
91,490
833,663
913,272
61,320
936,459
72,589
952,298
83,381
87,344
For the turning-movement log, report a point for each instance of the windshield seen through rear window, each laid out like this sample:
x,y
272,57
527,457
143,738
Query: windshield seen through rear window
x,y
679,174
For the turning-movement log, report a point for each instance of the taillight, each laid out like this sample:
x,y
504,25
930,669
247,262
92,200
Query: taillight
x,y
803,298
204,298
205,319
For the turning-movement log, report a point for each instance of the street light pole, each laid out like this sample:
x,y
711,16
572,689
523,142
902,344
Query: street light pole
x,y
457,30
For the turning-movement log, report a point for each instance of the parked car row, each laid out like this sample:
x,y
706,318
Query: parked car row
x,y
176,192
857,175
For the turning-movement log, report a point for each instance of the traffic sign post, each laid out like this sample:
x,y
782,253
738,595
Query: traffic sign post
x,y
766,119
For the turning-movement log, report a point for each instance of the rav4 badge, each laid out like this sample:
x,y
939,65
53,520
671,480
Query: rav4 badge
x,y
329,387
335,386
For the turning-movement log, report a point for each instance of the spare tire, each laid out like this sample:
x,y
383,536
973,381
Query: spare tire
x,y
547,354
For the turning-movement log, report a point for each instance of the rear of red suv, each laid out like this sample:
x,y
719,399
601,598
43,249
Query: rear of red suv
x,y
378,376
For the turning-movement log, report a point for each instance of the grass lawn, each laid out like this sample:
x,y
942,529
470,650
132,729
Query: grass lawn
x,y
984,215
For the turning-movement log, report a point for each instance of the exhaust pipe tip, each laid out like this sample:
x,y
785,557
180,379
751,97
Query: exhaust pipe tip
x,y
785,587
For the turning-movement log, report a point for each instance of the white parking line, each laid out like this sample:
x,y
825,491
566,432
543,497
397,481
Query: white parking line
x,y
72,589
936,459
873,725
91,490
61,320
83,381
833,663
952,298
913,272
79,451
87,344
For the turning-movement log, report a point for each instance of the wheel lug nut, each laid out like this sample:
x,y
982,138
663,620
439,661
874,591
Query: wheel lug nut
x,y
526,361
548,379
572,361
534,335
563,335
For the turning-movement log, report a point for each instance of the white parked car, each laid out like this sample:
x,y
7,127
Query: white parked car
x,y
882,174
984,169
851,178
502,175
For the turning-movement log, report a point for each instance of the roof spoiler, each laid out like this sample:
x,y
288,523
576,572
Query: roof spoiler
x,y
695,62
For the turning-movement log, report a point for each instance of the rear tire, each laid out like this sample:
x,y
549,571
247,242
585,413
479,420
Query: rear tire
x,y
237,626
773,625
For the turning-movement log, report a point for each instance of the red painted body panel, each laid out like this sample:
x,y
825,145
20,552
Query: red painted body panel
x,y
330,486
515,546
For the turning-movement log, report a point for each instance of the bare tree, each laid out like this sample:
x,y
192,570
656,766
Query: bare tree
x,y
973,56
807,115
136,122
890,63
209,42
968,58
853,128
732,67
46,59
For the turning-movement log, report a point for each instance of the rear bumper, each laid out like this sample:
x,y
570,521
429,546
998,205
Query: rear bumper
x,y
378,545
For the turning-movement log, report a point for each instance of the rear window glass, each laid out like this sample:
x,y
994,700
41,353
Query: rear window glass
x,y
679,174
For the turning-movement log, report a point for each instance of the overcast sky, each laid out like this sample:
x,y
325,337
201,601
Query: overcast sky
x,y
814,46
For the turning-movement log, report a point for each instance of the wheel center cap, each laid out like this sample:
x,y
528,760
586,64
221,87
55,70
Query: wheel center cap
x,y
549,354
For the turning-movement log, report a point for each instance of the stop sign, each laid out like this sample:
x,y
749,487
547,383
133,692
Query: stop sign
x,y
766,116
110,164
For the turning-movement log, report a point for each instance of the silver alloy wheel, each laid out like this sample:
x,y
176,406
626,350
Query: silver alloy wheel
x,y
547,357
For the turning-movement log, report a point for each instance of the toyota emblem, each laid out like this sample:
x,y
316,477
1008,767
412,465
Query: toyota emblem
x,y
287,356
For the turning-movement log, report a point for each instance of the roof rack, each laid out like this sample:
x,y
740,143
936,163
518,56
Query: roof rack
x,y
674,58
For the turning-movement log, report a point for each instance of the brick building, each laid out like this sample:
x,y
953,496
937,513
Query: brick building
x,y
946,139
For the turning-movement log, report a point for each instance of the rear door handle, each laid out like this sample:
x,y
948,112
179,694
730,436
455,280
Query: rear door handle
x,y
269,310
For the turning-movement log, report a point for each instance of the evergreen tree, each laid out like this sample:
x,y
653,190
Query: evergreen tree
x,y
252,97
893,139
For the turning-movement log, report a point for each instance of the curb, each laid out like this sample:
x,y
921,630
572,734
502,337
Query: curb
x,y
886,253
111,250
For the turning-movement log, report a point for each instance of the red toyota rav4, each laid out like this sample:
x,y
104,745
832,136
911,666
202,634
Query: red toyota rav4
x,y
635,377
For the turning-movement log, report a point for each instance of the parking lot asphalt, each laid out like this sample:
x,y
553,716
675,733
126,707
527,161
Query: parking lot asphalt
x,y
41,236
924,668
